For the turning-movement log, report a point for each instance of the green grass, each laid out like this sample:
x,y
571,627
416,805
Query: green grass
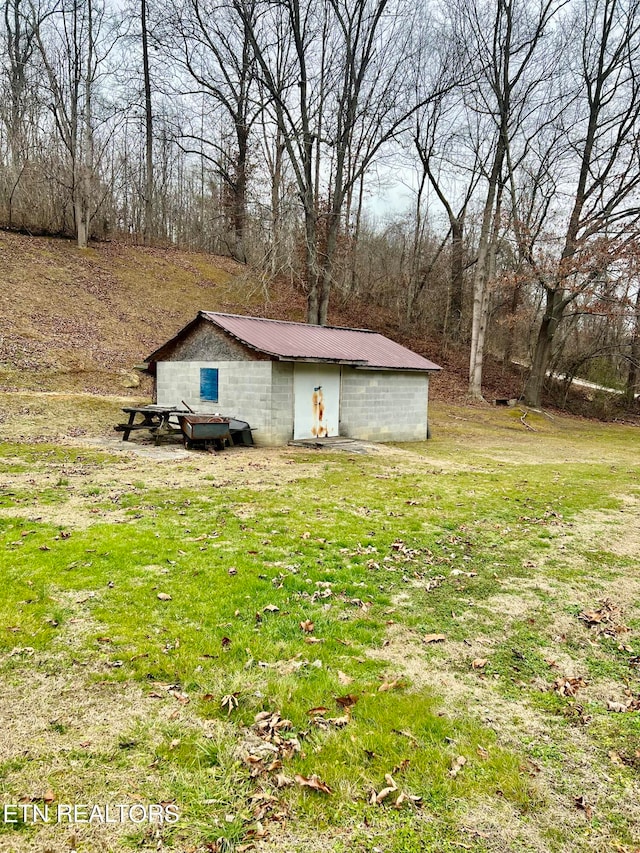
x,y
376,552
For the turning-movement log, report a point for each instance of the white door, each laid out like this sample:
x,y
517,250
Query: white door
x,y
316,392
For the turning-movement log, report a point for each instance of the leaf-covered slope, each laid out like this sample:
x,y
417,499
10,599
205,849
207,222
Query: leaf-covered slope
x,y
72,319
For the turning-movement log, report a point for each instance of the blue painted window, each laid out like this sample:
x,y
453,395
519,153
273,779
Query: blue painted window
x,y
209,384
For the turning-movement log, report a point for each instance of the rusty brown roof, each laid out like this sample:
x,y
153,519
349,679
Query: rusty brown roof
x,y
301,341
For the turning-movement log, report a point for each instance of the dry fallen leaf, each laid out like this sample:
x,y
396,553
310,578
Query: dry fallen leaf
x,y
344,679
307,626
391,788
402,798
384,793
457,765
569,686
270,608
479,663
230,701
313,782
164,596
181,697
347,701
582,804
594,617
434,638
390,685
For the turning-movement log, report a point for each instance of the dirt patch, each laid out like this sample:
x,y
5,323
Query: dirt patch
x,y
618,532
64,731
501,827
72,515
518,725
80,496
56,714
468,691
569,763
160,453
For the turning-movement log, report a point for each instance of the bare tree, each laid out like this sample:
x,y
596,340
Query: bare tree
x,y
20,104
73,51
349,66
437,141
503,44
631,388
599,146
213,48
148,125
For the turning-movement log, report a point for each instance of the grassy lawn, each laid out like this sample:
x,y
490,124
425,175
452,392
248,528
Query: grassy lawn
x,y
433,647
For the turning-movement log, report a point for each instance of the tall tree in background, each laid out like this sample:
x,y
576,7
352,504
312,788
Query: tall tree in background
x,y
442,150
72,52
504,55
631,387
20,104
279,130
148,231
350,63
598,155
213,48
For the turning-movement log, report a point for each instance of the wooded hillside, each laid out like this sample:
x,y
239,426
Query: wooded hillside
x,y
470,166
75,319
81,319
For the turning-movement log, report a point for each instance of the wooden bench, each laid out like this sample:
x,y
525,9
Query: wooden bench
x,y
156,419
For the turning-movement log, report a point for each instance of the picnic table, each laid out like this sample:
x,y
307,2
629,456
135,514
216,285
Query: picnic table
x,y
156,419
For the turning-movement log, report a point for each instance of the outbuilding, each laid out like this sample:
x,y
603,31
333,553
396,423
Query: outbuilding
x,y
294,380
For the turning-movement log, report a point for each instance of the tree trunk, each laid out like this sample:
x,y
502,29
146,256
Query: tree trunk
x,y
148,124
634,358
239,213
488,233
353,244
479,331
82,221
542,353
276,214
479,319
312,269
457,273
327,269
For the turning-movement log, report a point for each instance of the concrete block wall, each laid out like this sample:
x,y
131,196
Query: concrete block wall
x,y
374,405
384,405
244,391
260,392
281,402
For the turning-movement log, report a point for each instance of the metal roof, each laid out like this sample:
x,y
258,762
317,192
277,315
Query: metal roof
x,y
303,342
